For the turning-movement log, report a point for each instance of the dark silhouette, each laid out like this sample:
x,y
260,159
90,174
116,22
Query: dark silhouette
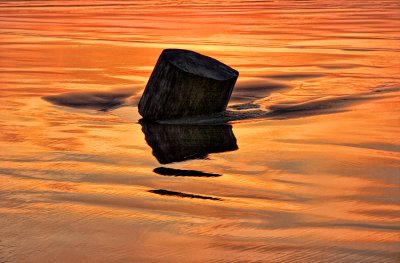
x,y
179,194
97,100
185,83
185,173
180,142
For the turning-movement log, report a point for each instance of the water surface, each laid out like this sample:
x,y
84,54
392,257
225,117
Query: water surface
x,y
303,168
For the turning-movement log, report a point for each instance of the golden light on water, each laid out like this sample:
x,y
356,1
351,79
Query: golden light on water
x,y
316,183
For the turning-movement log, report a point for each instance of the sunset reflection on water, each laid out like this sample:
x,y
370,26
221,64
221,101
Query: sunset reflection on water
x,y
316,183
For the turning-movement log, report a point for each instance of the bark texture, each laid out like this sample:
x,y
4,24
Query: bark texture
x,y
185,83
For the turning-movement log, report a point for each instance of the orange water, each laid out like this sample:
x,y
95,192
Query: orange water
x,y
77,185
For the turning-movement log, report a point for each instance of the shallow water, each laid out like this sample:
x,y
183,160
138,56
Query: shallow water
x,y
303,168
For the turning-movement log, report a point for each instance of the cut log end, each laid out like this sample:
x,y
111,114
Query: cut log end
x,y
185,83
199,65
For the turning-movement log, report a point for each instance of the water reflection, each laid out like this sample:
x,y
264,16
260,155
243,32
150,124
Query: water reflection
x,y
180,142
307,183
184,195
165,171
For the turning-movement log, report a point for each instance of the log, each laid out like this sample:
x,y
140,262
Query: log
x,y
185,83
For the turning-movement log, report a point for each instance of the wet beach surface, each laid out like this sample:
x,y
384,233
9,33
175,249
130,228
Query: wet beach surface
x,y
303,167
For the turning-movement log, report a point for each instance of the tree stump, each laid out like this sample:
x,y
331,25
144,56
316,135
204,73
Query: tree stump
x,y
185,83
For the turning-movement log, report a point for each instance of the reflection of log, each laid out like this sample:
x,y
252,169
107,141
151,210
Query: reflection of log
x,y
175,143
184,173
184,195
186,83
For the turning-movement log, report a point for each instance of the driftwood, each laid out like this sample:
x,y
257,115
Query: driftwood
x,y
185,83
